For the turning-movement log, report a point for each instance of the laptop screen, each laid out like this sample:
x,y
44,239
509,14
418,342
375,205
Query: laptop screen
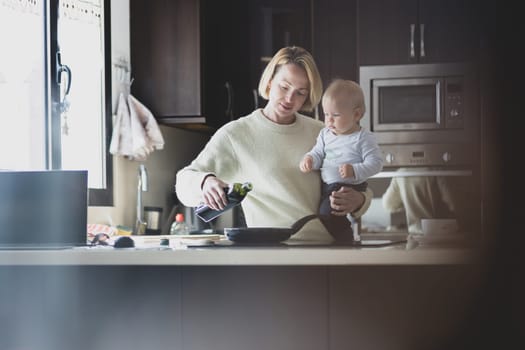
x,y
43,207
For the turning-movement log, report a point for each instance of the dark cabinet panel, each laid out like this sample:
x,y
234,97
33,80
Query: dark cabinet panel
x,y
398,307
412,31
239,307
452,31
238,38
225,40
273,25
276,24
335,39
384,31
165,56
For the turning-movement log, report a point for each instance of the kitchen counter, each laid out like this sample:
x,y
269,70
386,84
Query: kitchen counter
x,y
260,256
226,297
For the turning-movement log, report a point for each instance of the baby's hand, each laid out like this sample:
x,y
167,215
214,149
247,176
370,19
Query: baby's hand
x,y
306,164
346,171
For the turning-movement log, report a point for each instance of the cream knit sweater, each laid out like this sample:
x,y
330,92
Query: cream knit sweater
x,y
267,154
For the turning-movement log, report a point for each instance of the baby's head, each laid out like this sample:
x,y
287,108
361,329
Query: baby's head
x,y
343,106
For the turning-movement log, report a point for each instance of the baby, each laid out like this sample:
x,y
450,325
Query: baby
x,y
346,154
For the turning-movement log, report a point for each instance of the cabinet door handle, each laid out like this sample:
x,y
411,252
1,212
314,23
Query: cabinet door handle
x,y
255,98
412,32
229,107
422,40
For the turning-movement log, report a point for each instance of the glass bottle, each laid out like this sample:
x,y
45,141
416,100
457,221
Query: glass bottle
x,y
235,193
179,226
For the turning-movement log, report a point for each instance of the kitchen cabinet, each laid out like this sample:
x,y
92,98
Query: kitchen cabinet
x,y
224,60
165,57
273,25
238,39
256,308
277,24
335,39
389,307
200,61
243,307
417,31
189,61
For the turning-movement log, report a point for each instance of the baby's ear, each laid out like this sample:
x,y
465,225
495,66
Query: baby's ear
x,y
358,113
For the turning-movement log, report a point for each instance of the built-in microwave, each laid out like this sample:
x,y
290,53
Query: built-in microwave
x,y
423,114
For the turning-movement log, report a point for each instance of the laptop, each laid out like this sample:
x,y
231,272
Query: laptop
x,y
43,209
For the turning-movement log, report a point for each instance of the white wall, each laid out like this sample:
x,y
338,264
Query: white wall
x,y
180,148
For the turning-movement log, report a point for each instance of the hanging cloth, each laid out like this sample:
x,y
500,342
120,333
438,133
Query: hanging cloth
x,y
135,130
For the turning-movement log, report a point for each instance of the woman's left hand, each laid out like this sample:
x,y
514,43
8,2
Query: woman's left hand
x,y
346,200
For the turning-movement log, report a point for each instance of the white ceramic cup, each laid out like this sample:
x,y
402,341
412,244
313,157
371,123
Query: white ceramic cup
x,y
439,226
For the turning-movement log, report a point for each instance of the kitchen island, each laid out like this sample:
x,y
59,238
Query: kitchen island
x,y
277,298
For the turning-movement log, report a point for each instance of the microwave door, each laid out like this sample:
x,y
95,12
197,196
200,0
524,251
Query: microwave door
x,y
407,104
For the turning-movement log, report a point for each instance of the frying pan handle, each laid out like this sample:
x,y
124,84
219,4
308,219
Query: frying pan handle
x,y
301,222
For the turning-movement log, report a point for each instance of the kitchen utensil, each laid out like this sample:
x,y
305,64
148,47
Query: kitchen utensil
x,y
265,234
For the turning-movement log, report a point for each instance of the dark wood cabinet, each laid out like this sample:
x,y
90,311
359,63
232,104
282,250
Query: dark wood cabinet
x,y
190,62
335,39
201,61
417,31
238,39
225,39
275,24
165,57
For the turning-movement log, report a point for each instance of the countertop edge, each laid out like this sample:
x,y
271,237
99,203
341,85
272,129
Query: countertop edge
x,y
242,257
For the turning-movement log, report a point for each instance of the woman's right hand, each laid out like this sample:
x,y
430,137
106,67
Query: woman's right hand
x,y
213,193
346,201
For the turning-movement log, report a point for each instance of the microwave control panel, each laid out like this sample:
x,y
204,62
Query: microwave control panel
x,y
454,103
427,155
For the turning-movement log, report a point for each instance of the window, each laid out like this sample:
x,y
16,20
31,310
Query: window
x,y
55,89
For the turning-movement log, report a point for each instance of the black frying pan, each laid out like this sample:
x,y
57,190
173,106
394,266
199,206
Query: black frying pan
x,y
265,234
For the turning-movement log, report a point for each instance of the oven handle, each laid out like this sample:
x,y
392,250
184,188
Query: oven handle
x,y
416,172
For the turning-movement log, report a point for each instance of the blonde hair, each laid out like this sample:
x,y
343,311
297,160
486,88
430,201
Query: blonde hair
x,y
302,58
350,92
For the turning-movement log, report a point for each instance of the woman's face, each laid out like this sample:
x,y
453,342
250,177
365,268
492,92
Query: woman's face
x,y
289,90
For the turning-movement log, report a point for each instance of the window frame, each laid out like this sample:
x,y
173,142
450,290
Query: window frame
x,y
96,197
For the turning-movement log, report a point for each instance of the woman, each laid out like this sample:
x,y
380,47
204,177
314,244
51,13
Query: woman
x,y
265,148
